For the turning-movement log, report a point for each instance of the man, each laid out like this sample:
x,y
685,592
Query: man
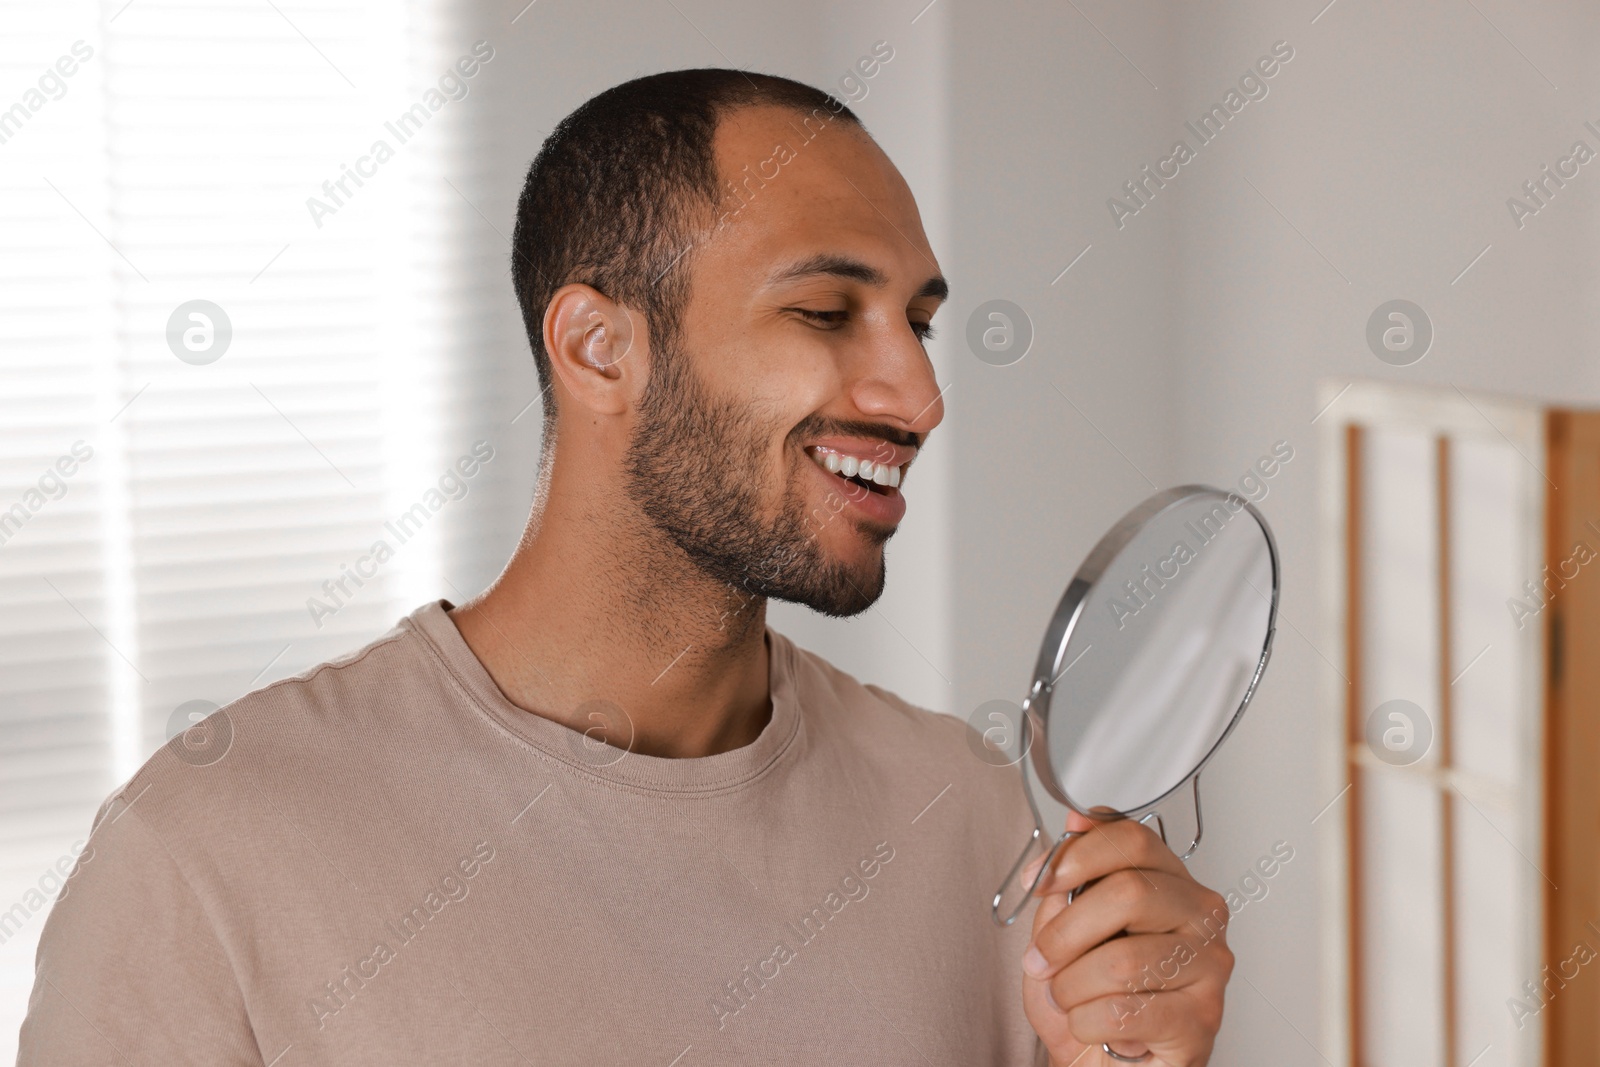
x,y
601,813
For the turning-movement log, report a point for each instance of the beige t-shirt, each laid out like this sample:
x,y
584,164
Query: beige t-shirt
x,y
384,861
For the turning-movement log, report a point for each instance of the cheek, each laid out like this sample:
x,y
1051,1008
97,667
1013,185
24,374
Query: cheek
x,y
794,379
776,369
780,395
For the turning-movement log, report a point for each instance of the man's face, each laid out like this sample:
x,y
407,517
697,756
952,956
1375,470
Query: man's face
x,y
799,359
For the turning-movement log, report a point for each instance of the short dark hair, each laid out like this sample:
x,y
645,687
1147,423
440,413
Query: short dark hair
x,y
619,189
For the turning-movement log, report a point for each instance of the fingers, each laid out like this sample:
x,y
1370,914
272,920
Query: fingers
x,y
1138,959
1078,822
1137,901
1107,847
1141,965
1186,1020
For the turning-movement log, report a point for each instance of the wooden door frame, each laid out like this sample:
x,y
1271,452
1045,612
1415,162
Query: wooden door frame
x,y
1344,409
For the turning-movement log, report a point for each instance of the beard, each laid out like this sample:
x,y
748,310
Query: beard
x,y
677,472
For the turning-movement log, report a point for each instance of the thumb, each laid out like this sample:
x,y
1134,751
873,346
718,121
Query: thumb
x,y
1075,822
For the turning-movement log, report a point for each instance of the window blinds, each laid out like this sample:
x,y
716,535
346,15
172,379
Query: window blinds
x,y
178,527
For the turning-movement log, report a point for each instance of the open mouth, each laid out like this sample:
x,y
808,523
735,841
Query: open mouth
x,y
876,477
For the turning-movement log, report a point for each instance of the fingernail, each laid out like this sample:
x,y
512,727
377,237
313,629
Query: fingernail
x,y
1030,870
1034,963
1049,996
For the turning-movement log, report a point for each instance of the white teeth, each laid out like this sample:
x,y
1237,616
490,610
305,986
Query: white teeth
x,y
852,466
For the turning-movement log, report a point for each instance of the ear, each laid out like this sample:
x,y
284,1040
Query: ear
x,y
590,338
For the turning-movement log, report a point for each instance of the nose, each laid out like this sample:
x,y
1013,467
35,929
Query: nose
x,y
895,382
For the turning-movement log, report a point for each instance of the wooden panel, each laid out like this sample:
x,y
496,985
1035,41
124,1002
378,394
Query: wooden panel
x,y
1468,819
1401,936
1399,613
1490,539
1483,742
1572,731
1490,890
1445,728
1354,490
1402,889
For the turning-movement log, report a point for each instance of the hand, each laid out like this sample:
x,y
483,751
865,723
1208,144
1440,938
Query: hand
x,y
1137,960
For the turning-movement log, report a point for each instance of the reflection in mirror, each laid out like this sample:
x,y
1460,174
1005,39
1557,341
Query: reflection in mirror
x,y
1165,649
1149,661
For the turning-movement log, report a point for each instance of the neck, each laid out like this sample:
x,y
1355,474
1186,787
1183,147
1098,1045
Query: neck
x,y
596,604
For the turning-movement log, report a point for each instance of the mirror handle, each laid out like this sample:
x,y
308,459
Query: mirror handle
x,y
1161,828
1016,869
1038,831
994,907
1199,824
1161,824
1038,822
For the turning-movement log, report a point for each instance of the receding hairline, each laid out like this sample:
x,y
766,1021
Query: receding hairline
x,y
628,175
824,264
731,110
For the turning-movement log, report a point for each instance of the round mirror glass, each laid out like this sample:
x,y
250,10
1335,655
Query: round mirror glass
x,y
1154,650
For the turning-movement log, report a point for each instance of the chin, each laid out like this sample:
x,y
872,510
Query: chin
x,y
842,588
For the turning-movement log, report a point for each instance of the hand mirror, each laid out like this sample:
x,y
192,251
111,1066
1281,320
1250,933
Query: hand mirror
x,y
1148,663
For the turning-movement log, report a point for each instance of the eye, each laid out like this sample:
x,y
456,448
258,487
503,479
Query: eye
x,y
828,320
923,330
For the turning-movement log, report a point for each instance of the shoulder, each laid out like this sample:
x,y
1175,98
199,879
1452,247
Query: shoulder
x,y
842,701
247,779
891,740
297,729
344,682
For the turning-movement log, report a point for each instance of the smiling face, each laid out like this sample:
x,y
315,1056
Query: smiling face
x,y
778,423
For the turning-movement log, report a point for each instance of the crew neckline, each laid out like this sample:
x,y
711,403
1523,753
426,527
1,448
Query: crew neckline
x,y
698,775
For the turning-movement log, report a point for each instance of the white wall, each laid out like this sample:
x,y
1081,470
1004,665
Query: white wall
x,y
1052,449
1194,336
1391,143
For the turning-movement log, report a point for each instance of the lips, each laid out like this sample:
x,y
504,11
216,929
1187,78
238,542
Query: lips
x,y
865,473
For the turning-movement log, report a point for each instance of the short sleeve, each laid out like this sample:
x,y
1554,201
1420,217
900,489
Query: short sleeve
x,y
129,969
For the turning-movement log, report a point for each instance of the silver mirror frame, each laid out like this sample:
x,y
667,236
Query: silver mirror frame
x,y
1048,672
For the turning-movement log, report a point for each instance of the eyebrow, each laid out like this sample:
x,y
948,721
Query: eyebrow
x,y
837,266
